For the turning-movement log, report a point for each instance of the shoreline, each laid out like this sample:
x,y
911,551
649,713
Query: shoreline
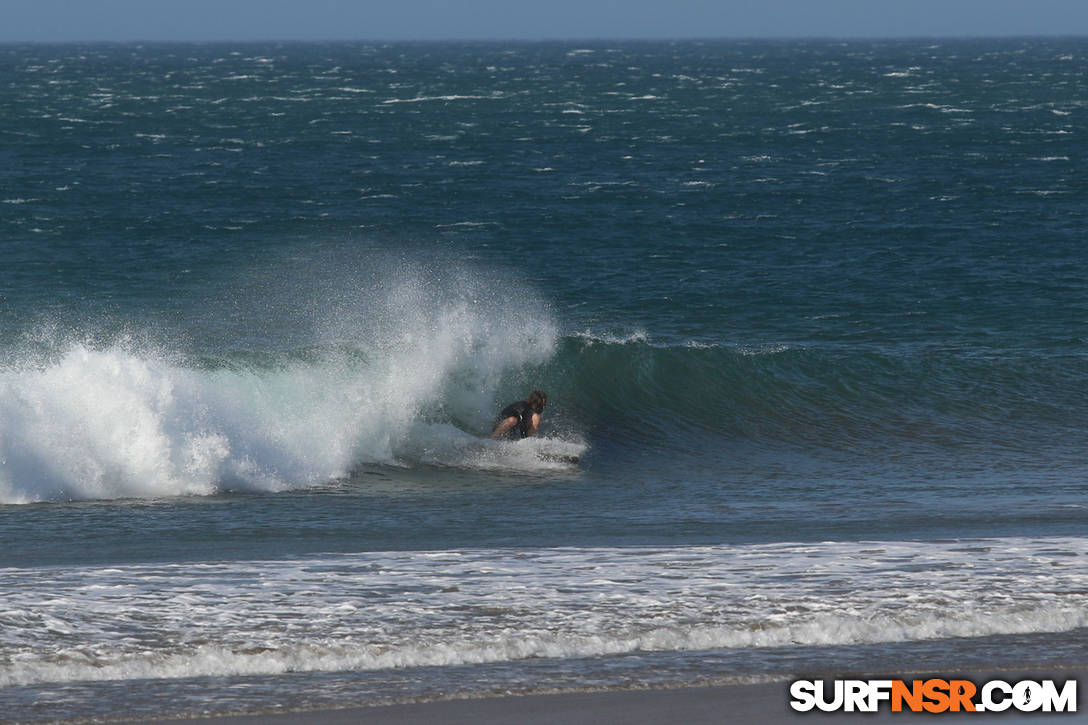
x,y
762,702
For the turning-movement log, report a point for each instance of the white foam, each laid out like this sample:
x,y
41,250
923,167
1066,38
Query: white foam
x,y
444,444
610,338
407,609
110,421
447,98
113,423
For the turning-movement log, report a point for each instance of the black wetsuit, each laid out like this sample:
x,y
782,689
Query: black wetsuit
x,y
523,413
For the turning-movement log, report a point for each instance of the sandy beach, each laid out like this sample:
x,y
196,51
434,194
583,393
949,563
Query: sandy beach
x,y
750,703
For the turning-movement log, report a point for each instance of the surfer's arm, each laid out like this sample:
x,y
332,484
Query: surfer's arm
x,y
534,424
503,426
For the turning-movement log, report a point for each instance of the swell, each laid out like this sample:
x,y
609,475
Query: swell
x,y
110,422
641,393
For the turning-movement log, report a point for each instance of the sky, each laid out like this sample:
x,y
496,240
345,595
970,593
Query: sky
x,y
45,21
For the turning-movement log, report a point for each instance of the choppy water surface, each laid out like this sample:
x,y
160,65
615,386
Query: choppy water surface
x,y
810,316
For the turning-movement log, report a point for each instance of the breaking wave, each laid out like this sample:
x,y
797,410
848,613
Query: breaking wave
x,y
381,379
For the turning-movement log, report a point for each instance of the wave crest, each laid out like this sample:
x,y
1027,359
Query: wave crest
x,y
110,421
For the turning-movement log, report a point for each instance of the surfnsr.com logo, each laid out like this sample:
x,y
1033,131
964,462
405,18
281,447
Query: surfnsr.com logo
x,y
933,696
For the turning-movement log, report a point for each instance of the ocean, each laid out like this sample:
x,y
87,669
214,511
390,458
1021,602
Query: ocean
x,y
812,316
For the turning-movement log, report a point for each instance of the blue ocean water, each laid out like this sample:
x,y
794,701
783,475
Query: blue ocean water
x,y
812,315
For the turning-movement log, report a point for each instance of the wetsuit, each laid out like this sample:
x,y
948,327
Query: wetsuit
x,y
523,413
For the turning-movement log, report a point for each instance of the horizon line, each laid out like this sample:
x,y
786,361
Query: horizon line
x,y
559,39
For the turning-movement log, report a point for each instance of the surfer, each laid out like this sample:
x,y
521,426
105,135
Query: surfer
x,y
521,419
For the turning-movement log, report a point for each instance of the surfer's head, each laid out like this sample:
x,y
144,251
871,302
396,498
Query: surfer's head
x,y
537,400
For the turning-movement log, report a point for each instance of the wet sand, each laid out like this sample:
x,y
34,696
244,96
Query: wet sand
x,y
728,704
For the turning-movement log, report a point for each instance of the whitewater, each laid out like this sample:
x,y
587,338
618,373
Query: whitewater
x,y
809,315
394,610
83,420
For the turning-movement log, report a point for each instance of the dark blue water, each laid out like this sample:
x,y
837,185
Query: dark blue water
x,y
259,303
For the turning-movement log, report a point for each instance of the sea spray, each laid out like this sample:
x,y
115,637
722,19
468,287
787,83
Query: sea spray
x,y
108,420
